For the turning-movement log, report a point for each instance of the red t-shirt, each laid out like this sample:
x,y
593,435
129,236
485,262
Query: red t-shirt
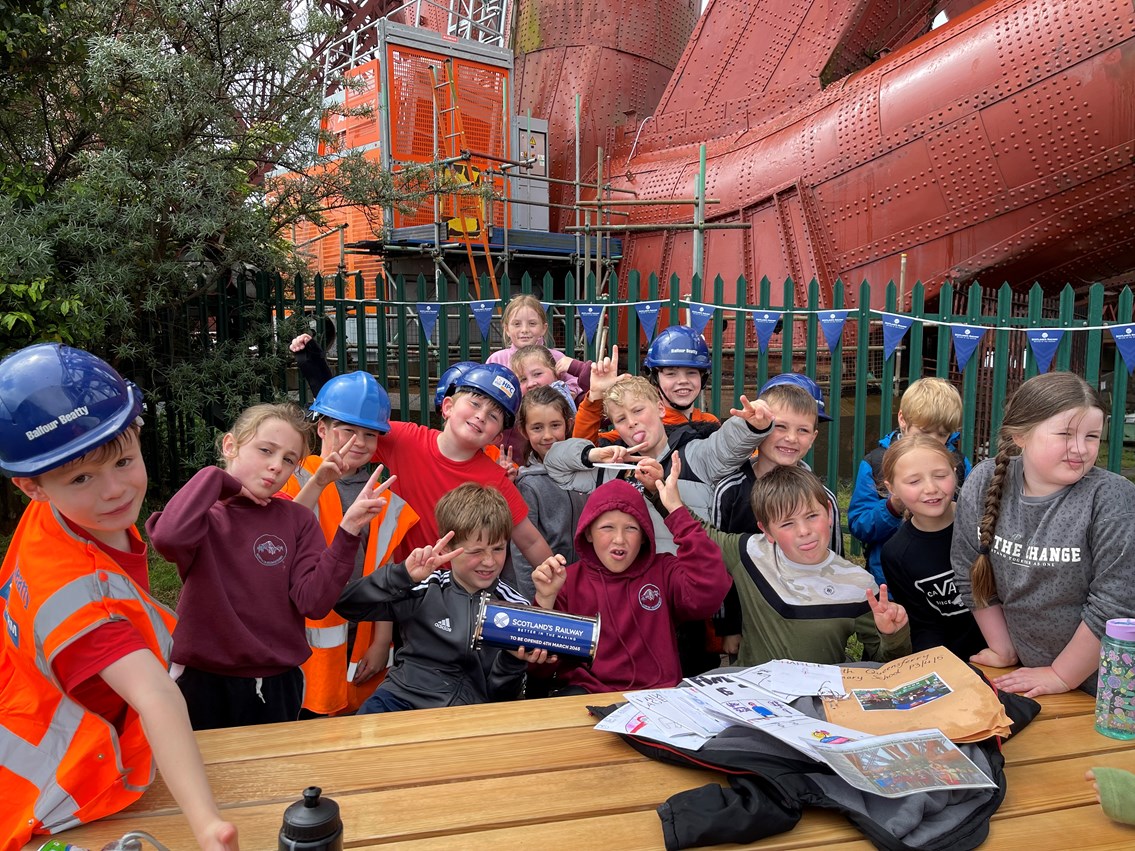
x,y
79,664
425,475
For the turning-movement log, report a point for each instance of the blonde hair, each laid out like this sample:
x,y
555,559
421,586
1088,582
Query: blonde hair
x,y
533,352
1038,399
932,404
517,304
629,387
899,449
472,509
794,399
250,420
783,491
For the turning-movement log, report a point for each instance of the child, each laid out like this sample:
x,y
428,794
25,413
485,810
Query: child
x,y
919,471
677,363
1044,547
87,706
534,367
253,568
526,324
354,410
429,463
544,419
434,609
638,593
799,600
930,406
797,406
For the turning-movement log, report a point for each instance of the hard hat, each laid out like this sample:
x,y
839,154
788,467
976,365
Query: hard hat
x,y
497,382
57,404
804,383
355,398
678,345
445,384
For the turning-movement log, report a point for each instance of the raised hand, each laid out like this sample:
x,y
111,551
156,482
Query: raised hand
x,y
334,453
757,414
617,454
549,577
668,488
299,343
510,467
890,617
648,473
563,365
425,560
370,501
604,373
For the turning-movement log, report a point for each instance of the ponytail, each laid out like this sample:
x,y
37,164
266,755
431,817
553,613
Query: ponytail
x,y
982,583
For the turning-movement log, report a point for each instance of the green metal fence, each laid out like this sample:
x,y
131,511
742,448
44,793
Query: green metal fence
x,y
379,331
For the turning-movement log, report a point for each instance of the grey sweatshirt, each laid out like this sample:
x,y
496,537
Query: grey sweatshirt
x,y
1057,560
553,510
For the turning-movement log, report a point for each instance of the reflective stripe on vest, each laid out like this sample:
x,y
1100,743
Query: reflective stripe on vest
x,y
37,765
327,637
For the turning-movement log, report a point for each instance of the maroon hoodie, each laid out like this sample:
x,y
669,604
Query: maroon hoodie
x,y
638,648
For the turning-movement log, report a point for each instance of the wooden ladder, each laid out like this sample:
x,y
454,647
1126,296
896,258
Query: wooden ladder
x,y
468,220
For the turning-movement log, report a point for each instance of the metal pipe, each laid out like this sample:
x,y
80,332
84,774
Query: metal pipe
x,y
598,220
647,202
668,226
578,246
699,217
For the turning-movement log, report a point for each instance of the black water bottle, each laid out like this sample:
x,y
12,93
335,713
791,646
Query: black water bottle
x,y
312,824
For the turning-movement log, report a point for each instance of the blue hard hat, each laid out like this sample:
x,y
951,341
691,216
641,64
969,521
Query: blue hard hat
x,y
57,404
497,382
678,345
804,383
357,399
445,384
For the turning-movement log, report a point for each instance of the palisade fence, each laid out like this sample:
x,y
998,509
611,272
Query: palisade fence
x,y
374,325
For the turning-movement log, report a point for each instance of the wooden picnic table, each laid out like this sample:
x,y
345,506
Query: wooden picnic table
x,y
534,775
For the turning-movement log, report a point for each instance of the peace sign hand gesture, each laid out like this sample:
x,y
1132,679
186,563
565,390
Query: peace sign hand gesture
x,y
604,373
370,501
425,560
757,413
890,617
334,465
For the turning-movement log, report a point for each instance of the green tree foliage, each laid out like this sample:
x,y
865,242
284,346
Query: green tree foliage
x,y
135,142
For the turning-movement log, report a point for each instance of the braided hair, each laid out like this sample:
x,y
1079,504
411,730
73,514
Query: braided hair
x,y
1038,399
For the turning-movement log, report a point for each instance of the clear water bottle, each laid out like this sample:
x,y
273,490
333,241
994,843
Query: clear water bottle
x,y
1115,690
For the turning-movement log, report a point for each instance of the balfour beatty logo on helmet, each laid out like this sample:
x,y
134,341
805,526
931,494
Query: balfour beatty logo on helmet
x,y
47,427
504,385
676,351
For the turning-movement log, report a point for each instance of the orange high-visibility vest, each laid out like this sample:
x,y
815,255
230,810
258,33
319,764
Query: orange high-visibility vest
x,y
60,765
326,690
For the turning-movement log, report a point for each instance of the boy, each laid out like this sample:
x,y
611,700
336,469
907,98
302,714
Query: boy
x,y
430,463
797,406
354,410
638,593
930,406
799,600
434,609
87,706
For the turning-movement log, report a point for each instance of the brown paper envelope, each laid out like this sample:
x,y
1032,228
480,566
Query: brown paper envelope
x,y
933,688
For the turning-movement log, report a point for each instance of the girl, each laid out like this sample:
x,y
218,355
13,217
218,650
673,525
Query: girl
x,y
253,567
1044,546
535,367
544,419
526,324
919,471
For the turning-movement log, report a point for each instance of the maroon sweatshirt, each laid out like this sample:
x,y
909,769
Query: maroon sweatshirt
x,y
251,574
638,646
